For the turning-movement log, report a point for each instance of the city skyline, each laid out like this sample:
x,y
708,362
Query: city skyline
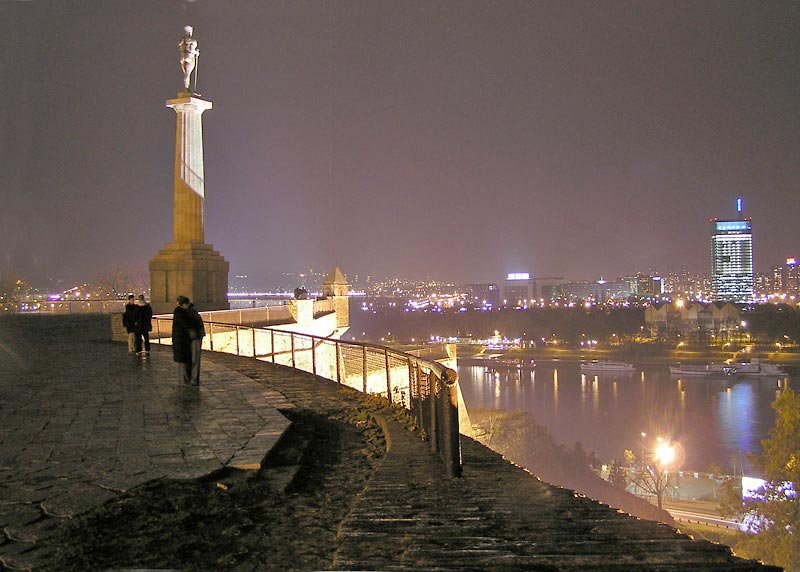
x,y
458,140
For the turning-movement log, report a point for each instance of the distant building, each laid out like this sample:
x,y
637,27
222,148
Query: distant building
x,y
720,318
684,283
598,291
732,260
644,285
786,279
548,289
485,293
519,289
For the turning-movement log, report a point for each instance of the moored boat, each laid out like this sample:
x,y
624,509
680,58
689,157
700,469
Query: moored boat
x,y
753,368
493,362
603,365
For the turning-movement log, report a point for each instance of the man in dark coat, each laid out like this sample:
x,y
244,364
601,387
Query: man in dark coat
x,y
197,333
128,321
181,340
143,324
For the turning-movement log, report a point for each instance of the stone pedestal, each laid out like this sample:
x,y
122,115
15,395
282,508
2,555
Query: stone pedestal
x,y
188,266
196,271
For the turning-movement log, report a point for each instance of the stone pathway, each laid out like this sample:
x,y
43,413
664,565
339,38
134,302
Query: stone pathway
x,y
84,421
81,422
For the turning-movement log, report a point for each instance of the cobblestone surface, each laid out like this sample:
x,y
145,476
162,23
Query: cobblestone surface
x,y
81,421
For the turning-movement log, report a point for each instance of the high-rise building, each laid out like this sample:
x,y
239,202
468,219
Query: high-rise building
x,y
732,259
786,278
644,285
519,289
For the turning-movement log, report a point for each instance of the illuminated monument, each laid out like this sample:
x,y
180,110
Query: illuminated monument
x,y
732,259
188,266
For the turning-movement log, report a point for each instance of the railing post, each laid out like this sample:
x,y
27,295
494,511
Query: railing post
x,y
158,331
272,341
433,386
388,376
313,357
364,367
338,366
451,440
255,354
292,338
418,379
211,335
237,340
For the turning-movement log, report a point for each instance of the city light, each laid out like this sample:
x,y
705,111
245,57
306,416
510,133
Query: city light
x,y
664,453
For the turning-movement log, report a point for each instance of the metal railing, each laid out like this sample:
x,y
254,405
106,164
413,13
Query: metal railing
x,y
427,388
110,306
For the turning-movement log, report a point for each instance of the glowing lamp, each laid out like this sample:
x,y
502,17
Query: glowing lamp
x,y
664,453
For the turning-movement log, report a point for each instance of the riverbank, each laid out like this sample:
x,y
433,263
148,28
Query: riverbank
x,y
631,354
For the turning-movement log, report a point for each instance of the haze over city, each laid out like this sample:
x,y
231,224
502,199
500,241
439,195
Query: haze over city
x,y
461,140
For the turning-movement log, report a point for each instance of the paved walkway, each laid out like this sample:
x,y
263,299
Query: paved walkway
x,y
81,421
78,426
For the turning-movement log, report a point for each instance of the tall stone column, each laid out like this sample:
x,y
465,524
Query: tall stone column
x,y
188,266
189,184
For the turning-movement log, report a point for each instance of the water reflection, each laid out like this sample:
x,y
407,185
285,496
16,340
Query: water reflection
x,y
606,412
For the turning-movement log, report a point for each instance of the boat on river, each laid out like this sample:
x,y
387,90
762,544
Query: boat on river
x,y
508,363
753,368
606,366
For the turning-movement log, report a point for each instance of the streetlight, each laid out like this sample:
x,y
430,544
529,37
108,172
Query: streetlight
x,y
664,453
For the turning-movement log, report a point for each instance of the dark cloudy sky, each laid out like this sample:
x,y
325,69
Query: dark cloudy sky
x,y
458,139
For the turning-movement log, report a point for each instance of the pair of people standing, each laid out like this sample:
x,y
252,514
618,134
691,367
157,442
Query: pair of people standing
x,y
138,321
187,339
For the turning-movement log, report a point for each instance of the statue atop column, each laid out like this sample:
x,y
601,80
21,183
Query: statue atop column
x,y
189,54
188,266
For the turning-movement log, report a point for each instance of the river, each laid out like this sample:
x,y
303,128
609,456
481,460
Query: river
x,y
714,420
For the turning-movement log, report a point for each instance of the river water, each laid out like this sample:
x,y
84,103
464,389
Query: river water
x,y
714,420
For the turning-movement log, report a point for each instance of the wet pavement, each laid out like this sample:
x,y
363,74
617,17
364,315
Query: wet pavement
x,y
81,422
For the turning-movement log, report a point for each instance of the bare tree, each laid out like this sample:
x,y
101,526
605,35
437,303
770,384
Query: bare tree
x,y
653,477
118,280
653,480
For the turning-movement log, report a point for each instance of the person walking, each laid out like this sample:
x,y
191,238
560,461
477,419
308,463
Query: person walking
x,y
181,340
129,322
143,324
197,333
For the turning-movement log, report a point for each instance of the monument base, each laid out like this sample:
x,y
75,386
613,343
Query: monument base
x,y
194,270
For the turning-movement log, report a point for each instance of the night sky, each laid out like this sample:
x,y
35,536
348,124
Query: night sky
x,y
460,140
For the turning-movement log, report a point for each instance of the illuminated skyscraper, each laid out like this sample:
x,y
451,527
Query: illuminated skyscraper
x,y
732,259
786,278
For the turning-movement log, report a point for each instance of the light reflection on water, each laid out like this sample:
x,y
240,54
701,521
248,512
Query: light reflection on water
x,y
713,418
